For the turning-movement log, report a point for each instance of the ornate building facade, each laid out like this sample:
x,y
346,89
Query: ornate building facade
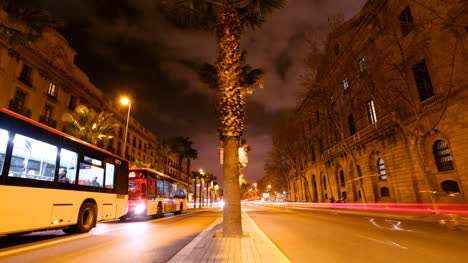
x,y
385,119
40,81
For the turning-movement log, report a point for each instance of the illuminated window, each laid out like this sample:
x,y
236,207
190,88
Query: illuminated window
x,y
68,166
345,84
3,146
52,90
32,159
381,169
110,170
423,81
384,191
372,116
362,64
442,156
406,21
91,172
450,186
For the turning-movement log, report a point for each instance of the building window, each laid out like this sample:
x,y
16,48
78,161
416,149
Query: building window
x,y
52,90
352,127
381,170
342,179
371,115
384,191
48,112
20,98
442,156
325,183
120,132
72,103
345,84
406,21
450,186
25,75
313,152
423,81
362,64
358,168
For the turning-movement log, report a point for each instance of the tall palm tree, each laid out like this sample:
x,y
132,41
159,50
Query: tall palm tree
x,y
24,22
228,18
88,125
182,146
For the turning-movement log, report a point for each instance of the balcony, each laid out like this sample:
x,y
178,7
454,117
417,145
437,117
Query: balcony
x,y
25,80
370,132
14,106
47,121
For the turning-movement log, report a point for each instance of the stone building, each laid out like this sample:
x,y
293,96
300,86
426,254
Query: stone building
x,y
385,117
40,81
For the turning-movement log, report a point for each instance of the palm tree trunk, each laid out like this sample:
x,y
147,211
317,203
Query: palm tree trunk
x,y
230,111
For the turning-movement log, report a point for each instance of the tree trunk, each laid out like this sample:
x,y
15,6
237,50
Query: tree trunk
x,y
230,112
195,194
232,224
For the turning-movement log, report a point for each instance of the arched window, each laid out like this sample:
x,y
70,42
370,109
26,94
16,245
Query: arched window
x,y
381,169
442,156
359,170
324,183
384,192
342,180
450,186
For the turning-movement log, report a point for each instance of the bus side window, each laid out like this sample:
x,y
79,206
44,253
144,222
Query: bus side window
x,y
167,189
110,168
151,188
68,162
160,188
32,159
3,145
90,175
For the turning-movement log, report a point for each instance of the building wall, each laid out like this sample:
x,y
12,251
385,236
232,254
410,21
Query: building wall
x,y
407,126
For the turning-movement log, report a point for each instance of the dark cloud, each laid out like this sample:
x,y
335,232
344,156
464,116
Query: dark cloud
x,y
126,46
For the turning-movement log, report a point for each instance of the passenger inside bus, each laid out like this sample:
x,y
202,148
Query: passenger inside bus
x,y
63,176
94,182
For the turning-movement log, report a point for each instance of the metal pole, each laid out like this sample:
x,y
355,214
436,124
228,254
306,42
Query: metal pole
x,y
126,129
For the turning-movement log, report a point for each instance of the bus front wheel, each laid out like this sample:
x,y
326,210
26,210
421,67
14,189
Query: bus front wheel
x,y
86,218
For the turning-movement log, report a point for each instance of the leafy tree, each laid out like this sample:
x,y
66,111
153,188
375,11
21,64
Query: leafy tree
x,y
227,18
25,23
88,125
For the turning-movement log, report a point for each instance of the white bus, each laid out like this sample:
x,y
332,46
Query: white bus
x,y
50,180
152,193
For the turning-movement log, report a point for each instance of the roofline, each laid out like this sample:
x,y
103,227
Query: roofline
x,y
157,172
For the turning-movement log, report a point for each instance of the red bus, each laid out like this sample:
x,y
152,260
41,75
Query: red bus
x,y
152,193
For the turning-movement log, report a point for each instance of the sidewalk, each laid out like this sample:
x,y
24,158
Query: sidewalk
x,y
254,246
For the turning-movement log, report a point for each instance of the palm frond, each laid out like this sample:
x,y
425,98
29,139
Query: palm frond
x,y
193,14
254,14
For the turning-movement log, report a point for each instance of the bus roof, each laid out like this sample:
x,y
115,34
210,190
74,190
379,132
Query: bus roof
x,y
157,172
23,118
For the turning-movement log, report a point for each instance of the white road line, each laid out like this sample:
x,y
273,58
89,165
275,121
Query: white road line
x,y
386,242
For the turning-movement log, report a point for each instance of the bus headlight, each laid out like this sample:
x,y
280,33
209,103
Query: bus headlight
x,y
140,208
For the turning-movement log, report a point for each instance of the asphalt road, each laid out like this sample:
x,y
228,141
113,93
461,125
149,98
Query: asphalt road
x,y
306,235
134,242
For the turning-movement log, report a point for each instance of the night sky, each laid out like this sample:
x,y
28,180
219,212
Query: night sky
x,y
126,47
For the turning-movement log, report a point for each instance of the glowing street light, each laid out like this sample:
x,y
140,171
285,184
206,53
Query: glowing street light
x,y
126,101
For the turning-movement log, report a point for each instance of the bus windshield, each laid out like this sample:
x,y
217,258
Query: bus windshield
x,y
136,189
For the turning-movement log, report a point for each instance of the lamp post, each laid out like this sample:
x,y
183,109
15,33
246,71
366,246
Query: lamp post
x,y
255,185
126,101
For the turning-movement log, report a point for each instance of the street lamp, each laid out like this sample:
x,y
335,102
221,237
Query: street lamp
x,y
126,101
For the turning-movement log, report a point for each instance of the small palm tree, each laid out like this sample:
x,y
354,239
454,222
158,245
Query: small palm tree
x,y
227,18
182,146
88,125
25,23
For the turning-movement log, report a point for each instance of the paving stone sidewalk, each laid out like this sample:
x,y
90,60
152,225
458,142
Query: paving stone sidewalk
x,y
254,246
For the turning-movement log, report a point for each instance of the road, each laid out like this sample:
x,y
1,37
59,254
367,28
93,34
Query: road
x,y
134,242
306,235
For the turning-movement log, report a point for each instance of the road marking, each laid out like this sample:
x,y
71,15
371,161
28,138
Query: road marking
x,y
386,242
